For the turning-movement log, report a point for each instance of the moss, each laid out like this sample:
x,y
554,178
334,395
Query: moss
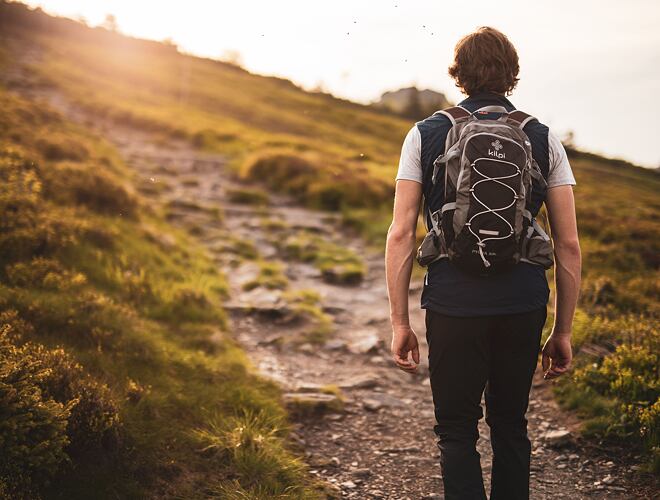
x,y
248,196
337,263
271,277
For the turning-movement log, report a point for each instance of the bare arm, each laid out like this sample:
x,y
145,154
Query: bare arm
x,y
557,353
399,254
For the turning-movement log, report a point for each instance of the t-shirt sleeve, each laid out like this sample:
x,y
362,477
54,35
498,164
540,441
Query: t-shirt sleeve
x,y
560,172
410,162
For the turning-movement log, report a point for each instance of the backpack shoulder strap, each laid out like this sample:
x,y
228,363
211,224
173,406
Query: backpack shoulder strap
x,y
519,118
455,113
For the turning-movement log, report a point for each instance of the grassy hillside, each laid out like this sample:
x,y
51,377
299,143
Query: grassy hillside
x,y
117,376
328,153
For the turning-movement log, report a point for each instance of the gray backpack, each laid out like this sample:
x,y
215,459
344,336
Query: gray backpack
x,y
484,225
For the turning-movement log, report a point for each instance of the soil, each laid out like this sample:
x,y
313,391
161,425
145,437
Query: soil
x,y
377,441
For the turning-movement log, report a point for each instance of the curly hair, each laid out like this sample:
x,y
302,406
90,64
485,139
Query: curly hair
x,y
485,61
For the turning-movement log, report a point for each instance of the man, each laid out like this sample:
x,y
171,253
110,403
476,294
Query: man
x,y
483,331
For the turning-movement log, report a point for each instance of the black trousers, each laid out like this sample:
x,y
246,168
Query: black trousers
x,y
466,356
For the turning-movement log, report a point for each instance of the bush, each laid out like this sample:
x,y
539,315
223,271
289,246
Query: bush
x,y
84,319
94,419
43,273
629,377
69,183
58,146
317,183
33,426
50,409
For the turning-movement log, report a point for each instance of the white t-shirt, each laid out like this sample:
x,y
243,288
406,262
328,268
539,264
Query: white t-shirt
x,y
410,163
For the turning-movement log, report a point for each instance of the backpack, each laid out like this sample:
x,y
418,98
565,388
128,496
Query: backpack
x,y
484,225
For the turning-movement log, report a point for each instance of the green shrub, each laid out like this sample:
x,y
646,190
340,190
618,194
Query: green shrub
x,y
50,410
317,183
94,417
43,273
33,426
84,319
629,378
58,146
79,184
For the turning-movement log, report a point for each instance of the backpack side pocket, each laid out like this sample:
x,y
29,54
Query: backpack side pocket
x,y
433,245
536,248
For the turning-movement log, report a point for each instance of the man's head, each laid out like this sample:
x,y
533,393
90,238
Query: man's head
x,y
485,61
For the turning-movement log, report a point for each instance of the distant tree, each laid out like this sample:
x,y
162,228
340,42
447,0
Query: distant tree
x,y
320,87
414,107
232,57
110,23
569,139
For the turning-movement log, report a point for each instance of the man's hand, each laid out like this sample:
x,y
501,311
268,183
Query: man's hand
x,y
557,355
404,341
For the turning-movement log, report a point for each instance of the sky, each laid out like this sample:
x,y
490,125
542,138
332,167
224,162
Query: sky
x,y
590,66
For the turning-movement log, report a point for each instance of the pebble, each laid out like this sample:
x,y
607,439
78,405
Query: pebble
x,y
364,472
607,479
558,437
335,461
348,484
372,404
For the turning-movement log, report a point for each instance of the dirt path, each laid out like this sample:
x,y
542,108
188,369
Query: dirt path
x,y
380,444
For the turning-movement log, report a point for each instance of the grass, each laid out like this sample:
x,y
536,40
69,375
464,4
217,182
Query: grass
x,y
339,156
306,306
95,285
271,277
337,263
248,196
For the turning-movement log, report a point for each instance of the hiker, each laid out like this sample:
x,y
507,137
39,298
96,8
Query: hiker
x,y
483,170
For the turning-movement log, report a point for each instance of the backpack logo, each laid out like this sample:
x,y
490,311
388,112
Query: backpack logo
x,y
497,145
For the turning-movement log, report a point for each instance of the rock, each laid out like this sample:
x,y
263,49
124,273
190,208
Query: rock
x,y
295,437
361,472
573,456
364,381
306,347
308,403
607,479
431,496
372,404
557,438
335,344
334,461
562,466
348,484
370,344
308,387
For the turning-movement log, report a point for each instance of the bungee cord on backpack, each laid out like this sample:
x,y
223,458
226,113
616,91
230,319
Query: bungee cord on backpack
x,y
481,242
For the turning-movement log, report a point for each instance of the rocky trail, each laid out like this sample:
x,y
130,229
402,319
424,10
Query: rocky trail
x,y
363,426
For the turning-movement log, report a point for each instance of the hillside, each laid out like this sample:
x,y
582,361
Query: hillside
x,y
110,288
